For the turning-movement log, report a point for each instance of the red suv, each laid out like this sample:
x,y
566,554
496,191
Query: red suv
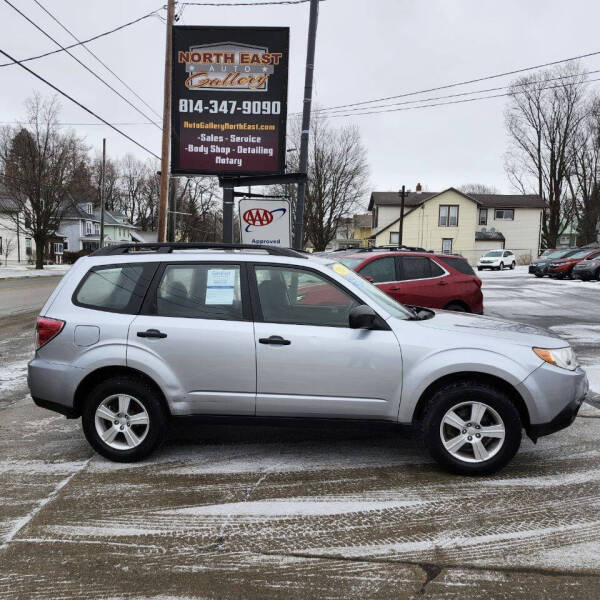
x,y
420,278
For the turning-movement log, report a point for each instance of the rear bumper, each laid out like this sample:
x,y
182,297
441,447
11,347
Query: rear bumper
x,y
53,385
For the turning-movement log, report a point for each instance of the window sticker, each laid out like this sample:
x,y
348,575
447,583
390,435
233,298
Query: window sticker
x,y
340,269
220,286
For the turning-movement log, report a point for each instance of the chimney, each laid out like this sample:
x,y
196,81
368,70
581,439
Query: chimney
x,y
418,188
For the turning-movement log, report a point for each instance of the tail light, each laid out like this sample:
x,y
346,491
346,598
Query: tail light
x,y
477,281
47,329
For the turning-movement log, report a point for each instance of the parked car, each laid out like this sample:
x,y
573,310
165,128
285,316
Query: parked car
x,y
420,278
497,259
539,267
563,267
587,269
129,339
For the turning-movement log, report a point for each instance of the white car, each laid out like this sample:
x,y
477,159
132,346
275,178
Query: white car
x,y
497,259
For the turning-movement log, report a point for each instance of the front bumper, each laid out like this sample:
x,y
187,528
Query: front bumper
x,y
553,397
535,270
583,273
562,420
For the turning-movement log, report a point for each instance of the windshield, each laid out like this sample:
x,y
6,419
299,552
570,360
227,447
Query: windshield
x,y
351,263
495,253
373,292
580,254
556,254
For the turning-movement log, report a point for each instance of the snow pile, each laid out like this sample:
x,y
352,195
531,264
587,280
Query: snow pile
x,y
20,271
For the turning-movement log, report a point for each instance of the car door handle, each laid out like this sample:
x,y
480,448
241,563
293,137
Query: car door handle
x,y
275,340
151,333
443,283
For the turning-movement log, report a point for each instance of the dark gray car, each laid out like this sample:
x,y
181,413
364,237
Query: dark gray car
x,y
539,267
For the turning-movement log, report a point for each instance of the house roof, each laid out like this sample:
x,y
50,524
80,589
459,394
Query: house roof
x,y
489,236
73,210
109,219
362,220
7,202
413,199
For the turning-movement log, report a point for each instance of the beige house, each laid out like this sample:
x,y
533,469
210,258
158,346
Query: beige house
x,y
454,222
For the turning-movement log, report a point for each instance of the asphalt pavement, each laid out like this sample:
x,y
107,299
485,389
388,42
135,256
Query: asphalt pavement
x,y
289,512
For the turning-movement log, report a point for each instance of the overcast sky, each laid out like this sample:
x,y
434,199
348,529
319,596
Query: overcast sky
x,y
366,49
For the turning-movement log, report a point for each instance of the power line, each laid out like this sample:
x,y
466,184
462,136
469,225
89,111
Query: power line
x,y
82,124
81,63
92,39
505,87
88,110
95,56
375,112
223,4
451,85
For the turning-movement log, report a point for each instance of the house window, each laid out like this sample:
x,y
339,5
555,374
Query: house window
x,y
505,214
97,228
89,208
88,228
483,216
447,246
394,238
66,245
448,215
28,246
58,248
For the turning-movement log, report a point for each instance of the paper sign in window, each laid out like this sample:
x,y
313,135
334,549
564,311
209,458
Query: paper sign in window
x,y
220,286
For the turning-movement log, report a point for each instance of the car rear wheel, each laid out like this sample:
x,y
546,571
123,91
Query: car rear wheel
x,y
123,419
471,428
513,265
456,307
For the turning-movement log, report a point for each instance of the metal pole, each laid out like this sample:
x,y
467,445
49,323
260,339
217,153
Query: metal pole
x,y
227,212
166,128
401,229
173,204
308,82
102,198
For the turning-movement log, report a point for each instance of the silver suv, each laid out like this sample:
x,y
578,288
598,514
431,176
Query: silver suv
x,y
133,335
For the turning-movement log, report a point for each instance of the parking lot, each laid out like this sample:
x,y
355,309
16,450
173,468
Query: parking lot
x,y
288,512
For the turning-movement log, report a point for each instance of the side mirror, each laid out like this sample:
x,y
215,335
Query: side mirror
x,y
362,317
368,278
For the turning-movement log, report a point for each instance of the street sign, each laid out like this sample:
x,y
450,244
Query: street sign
x,y
265,222
229,100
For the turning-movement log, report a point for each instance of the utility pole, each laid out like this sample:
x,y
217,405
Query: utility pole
x,y
102,198
308,82
166,127
401,228
227,211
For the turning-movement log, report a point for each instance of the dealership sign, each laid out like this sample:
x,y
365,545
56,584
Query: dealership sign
x,y
265,222
229,103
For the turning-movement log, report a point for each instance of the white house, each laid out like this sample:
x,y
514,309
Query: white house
x,y
20,246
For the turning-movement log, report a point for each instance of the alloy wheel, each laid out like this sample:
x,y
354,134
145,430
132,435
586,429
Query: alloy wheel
x,y
122,422
472,432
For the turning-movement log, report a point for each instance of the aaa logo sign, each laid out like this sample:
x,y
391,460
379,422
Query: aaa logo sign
x,y
259,217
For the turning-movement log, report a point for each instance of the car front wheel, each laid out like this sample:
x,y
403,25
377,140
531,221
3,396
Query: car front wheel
x,y
123,419
513,265
471,428
501,267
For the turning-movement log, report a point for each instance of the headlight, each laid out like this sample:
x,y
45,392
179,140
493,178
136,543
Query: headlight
x,y
559,357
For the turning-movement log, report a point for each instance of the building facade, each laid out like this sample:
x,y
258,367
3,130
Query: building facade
x,y
454,222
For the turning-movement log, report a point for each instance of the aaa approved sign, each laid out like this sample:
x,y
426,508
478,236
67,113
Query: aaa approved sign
x,y
229,100
265,222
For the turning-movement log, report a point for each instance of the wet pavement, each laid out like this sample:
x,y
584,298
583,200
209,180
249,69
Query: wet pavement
x,y
224,511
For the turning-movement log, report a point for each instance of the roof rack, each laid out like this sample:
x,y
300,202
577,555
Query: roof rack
x,y
395,249
168,247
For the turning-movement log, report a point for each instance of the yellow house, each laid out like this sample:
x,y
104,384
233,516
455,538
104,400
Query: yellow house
x,y
362,229
454,222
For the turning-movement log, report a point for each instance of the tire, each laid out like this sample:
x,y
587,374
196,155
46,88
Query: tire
x,y
513,265
499,409
456,307
539,275
480,268
597,275
150,431
501,267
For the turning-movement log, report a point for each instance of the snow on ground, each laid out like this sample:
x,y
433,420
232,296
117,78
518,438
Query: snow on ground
x,y
20,271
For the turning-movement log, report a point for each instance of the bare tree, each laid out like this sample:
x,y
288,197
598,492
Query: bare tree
x,y
584,183
39,166
199,198
337,179
9,244
477,188
543,119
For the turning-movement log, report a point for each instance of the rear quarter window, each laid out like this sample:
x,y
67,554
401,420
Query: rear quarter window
x,y
460,265
114,288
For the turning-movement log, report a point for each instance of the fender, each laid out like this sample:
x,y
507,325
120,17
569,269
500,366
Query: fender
x,y
419,375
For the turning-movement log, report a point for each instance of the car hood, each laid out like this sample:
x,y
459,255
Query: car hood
x,y
464,324
563,261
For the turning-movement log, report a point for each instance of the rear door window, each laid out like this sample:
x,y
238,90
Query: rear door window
x,y
414,267
380,270
115,288
200,291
